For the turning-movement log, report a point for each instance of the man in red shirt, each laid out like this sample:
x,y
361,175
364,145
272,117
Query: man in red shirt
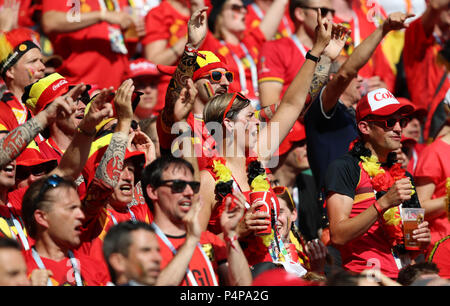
x,y
53,217
90,40
424,38
169,188
364,215
20,65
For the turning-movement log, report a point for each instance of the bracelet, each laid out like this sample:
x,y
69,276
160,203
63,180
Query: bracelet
x,y
195,51
89,134
312,57
230,240
378,208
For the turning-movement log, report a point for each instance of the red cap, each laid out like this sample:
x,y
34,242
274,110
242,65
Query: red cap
x,y
380,102
208,62
142,67
419,112
297,133
280,277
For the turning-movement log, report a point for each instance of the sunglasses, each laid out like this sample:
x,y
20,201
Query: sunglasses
x,y
51,182
237,95
391,122
323,10
216,76
36,170
237,8
178,186
283,192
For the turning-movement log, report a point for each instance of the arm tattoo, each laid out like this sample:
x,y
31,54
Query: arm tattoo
x,y
111,164
320,78
17,140
184,71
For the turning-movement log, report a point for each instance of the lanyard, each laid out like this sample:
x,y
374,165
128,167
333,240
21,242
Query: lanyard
x,y
174,251
299,45
73,261
19,229
357,34
114,220
241,69
260,15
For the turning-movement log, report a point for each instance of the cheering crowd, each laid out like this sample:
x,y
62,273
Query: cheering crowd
x,y
224,143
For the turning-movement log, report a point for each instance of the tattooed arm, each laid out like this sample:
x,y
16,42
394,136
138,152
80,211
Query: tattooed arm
x,y
321,76
197,29
18,139
111,165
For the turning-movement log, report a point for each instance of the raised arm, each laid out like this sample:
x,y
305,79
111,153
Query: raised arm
x,y
271,20
359,58
18,139
294,99
197,29
76,155
108,171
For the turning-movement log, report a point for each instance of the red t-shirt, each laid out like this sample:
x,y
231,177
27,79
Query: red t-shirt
x,y
92,272
434,164
12,112
378,64
280,61
94,55
255,15
237,55
204,145
212,246
164,22
419,54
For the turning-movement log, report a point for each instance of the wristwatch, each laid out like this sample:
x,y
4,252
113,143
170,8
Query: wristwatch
x,y
312,57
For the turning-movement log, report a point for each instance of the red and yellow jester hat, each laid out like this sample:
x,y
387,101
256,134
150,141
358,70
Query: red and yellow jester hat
x,y
14,44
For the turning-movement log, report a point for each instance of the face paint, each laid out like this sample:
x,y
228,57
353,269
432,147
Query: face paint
x,y
209,89
30,73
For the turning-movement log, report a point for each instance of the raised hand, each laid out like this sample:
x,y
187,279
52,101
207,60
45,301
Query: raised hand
x,y
339,35
229,220
193,228
185,101
323,33
396,21
139,141
100,109
64,106
197,28
122,100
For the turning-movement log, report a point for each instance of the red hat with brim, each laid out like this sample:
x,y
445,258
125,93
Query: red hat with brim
x,y
141,68
380,102
296,134
138,158
206,61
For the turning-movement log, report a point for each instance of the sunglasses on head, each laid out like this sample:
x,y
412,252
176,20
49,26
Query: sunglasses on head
x,y
390,122
237,95
215,76
237,8
51,182
323,10
178,186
